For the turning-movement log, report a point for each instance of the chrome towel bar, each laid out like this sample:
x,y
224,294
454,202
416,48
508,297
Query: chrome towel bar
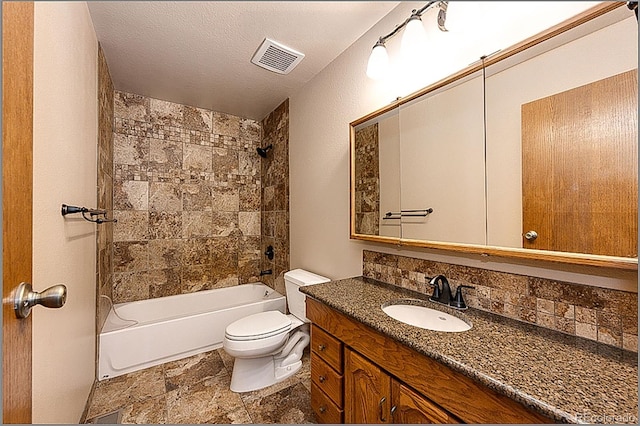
x,y
408,213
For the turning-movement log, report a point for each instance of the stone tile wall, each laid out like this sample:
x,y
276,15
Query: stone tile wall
x,y
104,233
605,315
187,196
275,196
367,181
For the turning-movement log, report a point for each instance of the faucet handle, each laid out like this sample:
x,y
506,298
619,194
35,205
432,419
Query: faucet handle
x,y
458,301
436,288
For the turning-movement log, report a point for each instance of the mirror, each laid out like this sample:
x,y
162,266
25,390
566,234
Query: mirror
x,y
376,181
471,166
442,159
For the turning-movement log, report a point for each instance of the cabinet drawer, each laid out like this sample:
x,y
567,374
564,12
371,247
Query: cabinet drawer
x,y
326,411
326,379
327,347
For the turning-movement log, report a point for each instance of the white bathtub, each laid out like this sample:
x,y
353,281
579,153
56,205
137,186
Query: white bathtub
x,y
174,327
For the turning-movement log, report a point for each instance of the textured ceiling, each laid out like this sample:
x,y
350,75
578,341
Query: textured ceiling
x,y
199,53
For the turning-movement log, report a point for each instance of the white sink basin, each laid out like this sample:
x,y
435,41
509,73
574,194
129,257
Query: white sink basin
x,y
423,317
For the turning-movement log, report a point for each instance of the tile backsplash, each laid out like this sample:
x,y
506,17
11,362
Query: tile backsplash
x,y
604,315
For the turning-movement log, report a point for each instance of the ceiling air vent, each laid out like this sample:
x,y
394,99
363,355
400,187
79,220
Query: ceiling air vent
x,y
275,57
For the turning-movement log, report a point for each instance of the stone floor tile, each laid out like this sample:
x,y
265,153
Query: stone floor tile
x,y
188,371
195,390
149,411
226,359
304,375
291,405
208,401
115,393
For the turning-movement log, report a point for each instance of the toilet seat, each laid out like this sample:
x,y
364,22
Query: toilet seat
x,y
258,326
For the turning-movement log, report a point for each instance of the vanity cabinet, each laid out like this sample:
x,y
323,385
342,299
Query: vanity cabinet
x,y
360,375
326,376
367,391
411,407
373,396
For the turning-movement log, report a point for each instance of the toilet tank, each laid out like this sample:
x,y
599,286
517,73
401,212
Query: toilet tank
x,y
295,279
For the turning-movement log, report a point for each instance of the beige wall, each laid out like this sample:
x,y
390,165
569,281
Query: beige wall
x,y
64,163
320,114
442,153
389,159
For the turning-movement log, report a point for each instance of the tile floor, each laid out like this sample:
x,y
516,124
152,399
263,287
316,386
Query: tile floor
x,y
196,390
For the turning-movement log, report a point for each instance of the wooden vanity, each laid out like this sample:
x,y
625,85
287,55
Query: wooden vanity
x,y
359,375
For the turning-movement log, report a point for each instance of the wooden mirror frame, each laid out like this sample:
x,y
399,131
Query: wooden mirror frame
x,y
486,250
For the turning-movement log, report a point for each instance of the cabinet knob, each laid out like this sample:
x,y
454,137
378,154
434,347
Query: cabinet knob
x,y
321,348
322,409
322,379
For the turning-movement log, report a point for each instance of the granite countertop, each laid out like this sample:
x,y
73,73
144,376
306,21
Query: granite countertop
x,y
567,378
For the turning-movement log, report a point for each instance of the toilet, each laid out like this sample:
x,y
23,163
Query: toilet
x,y
268,346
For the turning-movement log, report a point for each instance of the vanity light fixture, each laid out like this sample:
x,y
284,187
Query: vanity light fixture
x,y
413,39
378,61
633,5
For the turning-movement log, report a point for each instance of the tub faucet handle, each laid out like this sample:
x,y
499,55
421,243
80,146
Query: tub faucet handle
x,y
269,252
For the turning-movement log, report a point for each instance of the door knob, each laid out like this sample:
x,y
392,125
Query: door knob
x,y
25,298
531,235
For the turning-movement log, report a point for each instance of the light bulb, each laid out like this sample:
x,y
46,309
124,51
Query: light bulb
x,y
378,65
414,38
463,17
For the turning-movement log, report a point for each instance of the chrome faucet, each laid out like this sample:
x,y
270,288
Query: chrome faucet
x,y
444,295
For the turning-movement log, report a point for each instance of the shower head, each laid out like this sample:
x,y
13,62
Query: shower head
x,y
262,152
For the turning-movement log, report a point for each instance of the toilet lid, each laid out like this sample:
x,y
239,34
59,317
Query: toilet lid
x,y
258,326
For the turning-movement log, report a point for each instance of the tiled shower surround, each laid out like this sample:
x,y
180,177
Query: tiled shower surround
x,y
605,315
367,181
187,196
275,196
104,232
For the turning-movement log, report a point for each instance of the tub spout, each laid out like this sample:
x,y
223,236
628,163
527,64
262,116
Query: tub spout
x,y
266,272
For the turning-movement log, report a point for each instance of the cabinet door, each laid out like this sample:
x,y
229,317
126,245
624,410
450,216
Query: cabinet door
x,y
367,391
411,407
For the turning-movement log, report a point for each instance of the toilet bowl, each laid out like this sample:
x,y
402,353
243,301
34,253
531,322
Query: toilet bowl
x,y
268,346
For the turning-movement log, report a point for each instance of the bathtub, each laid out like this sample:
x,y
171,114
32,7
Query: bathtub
x,y
174,327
